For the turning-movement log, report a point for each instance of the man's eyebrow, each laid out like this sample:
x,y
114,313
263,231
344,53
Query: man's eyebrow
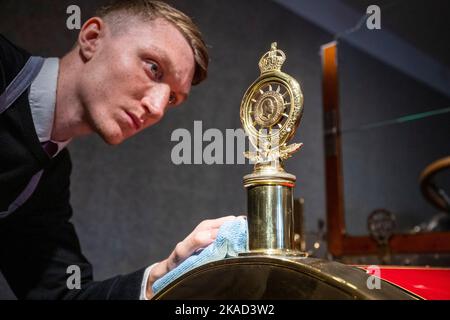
x,y
162,57
168,66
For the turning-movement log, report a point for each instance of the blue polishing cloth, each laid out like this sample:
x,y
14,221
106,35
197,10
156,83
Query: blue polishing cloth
x,y
231,240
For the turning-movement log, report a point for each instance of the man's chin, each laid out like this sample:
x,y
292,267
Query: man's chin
x,y
112,138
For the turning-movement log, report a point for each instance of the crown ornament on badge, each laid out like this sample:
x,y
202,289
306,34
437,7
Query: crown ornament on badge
x,y
272,60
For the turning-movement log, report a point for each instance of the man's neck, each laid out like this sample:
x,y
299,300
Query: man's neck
x,y
69,121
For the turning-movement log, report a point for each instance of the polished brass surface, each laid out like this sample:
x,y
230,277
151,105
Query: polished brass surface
x,y
270,113
271,110
272,218
269,174
276,277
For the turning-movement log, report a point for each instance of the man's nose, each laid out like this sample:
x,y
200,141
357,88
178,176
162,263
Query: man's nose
x,y
156,100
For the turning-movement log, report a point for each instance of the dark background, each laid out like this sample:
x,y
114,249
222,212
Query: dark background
x,y
132,205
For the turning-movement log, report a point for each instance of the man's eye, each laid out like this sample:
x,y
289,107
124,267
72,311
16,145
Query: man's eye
x,y
154,69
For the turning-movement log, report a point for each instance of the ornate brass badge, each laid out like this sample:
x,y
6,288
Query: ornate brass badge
x,y
271,110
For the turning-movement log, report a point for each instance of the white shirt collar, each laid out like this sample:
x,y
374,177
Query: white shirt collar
x,y
42,99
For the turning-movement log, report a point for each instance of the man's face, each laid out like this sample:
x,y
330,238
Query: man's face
x,y
133,77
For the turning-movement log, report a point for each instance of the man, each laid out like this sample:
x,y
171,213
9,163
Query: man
x,y
130,63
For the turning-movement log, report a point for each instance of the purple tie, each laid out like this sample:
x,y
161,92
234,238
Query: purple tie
x,y
50,147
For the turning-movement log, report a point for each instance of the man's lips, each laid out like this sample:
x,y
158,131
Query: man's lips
x,y
135,121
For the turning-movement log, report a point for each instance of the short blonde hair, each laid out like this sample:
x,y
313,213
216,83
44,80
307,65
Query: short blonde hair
x,y
150,10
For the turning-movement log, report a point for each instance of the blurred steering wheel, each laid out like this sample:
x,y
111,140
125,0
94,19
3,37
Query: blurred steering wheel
x,y
432,192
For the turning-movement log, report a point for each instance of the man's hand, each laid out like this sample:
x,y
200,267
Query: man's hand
x,y
202,236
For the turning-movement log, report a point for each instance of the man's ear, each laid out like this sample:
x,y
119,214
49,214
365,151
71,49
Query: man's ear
x,y
90,35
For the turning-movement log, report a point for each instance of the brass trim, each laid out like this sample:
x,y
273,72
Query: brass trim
x,y
274,252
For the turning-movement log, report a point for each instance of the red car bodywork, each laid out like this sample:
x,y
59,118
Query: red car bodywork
x,y
427,282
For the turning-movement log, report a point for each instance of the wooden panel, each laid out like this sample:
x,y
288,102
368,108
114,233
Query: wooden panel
x,y
333,160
